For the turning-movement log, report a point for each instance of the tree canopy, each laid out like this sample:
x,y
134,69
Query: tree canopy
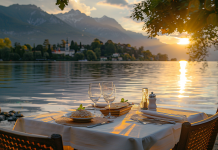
x,y
199,18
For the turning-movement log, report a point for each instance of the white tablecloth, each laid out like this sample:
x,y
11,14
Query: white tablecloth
x,y
120,135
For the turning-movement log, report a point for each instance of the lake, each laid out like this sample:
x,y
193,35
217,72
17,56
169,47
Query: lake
x,y
38,87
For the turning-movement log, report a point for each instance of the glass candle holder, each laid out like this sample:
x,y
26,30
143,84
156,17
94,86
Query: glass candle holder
x,y
144,102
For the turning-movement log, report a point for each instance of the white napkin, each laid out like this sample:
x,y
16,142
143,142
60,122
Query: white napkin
x,y
165,116
101,105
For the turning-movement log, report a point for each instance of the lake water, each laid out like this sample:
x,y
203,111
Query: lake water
x,y
38,87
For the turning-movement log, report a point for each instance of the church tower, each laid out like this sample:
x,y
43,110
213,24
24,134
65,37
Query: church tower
x,y
67,46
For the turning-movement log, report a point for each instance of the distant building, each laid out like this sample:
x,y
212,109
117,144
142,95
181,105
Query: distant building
x,y
82,49
114,59
151,58
103,58
120,58
65,51
116,55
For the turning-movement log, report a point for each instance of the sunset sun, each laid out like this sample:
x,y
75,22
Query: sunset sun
x,y
183,41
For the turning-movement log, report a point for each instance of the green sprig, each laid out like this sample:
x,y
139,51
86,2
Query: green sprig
x,y
81,107
123,100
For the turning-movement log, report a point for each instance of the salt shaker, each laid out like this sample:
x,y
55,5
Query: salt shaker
x,y
152,102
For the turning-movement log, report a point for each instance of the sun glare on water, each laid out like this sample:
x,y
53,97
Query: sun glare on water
x,y
183,41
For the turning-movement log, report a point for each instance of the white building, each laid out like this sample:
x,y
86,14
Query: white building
x,y
120,58
65,51
114,59
103,58
116,55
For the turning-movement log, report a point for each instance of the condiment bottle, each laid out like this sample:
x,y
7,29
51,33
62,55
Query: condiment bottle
x,y
152,102
144,102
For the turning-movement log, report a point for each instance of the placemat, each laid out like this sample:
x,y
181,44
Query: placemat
x,y
69,122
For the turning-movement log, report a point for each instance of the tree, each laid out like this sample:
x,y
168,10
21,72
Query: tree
x,y
24,47
147,55
38,55
98,52
14,56
5,43
40,48
28,47
63,43
79,56
45,44
126,57
49,51
110,47
72,45
54,47
95,44
76,47
91,56
5,53
199,18
28,56
80,45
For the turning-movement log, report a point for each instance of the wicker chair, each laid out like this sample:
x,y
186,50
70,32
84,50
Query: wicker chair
x,y
198,135
10,139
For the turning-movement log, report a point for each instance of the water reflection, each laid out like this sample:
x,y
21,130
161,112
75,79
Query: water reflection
x,y
183,78
46,86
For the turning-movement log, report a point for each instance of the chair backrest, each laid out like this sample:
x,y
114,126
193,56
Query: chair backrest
x,y
199,135
10,139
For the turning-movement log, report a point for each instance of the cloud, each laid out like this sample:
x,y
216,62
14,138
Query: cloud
x,y
130,24
50,7
168,39
115,3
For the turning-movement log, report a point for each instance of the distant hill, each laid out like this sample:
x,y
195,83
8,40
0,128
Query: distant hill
x,y
30,24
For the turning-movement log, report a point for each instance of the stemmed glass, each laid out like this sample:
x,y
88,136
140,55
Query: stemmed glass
x,y
109,94
94,93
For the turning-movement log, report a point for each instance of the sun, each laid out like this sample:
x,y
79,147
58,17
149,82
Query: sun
x,y
183,41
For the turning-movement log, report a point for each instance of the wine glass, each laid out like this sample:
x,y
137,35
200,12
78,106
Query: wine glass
x,y
94,93
109,94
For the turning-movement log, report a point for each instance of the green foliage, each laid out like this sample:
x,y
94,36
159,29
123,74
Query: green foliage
x,y
98,52
62,3
63,43
199,18
110,47
27,56
95,44
38,55
5,53
5,43
45,44
81,107
79,56
91,55
28,47
14,56
126,57
122,100
46,55
147,55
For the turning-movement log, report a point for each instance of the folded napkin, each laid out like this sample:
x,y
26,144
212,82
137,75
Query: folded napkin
x,y
101,105
164,116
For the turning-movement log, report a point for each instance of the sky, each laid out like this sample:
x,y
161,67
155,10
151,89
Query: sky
x,y
120,10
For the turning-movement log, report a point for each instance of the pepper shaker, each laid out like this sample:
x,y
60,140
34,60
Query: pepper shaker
x,y
152,102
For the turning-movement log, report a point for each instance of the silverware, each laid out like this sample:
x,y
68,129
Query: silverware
x,y
110,121
144,123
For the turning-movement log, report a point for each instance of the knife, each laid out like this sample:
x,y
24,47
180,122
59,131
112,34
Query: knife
x,y
110,121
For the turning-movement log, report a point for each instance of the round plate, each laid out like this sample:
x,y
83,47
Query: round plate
x,y
68,115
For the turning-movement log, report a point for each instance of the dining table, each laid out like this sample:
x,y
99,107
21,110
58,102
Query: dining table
x,y
122,134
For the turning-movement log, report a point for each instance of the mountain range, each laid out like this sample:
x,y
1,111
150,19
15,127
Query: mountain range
x,y
30,24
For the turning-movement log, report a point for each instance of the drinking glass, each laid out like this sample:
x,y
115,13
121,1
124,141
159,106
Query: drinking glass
x,y
109,94
94,93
